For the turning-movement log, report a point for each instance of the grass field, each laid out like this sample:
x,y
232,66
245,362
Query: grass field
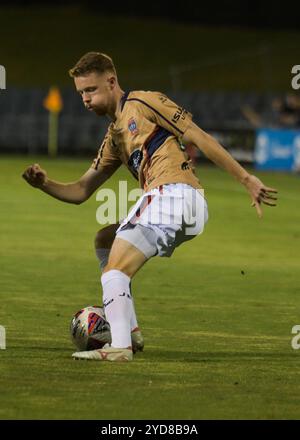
x,y
216,317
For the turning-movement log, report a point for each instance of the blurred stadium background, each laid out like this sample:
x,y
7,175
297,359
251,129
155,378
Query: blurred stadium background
x,y
226,67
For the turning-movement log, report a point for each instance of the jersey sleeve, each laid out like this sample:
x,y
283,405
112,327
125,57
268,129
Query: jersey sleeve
x,y
158,108
107,158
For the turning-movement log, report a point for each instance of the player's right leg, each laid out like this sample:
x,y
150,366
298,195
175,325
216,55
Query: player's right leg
x,y
124,261
103,243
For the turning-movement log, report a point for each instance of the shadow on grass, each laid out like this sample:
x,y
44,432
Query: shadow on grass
x,y
172,356
218,356
36,348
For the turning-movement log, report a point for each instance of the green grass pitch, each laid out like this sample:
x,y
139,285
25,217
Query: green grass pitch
x,y
216,317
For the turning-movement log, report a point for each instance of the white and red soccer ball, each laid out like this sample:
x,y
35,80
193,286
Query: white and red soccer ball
x,y
89,328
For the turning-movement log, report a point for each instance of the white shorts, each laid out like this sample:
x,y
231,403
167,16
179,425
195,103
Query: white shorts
x,y
163,218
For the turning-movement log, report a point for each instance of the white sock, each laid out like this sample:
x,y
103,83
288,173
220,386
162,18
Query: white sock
x,y
118,306
102,255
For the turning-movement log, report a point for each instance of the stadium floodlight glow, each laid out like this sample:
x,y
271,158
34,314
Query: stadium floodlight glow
x,y
2,78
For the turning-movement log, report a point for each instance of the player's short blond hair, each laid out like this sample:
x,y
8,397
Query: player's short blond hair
x,y
93,62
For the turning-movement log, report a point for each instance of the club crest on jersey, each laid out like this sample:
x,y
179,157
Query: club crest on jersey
x,y
132,127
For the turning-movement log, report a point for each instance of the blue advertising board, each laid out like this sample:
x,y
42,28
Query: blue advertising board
x,y
277,149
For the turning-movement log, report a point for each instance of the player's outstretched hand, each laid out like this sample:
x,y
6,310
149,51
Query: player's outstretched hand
x,y
260,193
35,175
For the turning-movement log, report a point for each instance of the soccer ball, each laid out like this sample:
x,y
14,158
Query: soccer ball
x,y
89,328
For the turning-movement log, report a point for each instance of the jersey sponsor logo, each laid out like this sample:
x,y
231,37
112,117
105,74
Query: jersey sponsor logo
x,y
134,162
132,127
179,114
163,99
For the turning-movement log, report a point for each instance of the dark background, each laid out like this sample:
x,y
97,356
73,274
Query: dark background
x,y
253,13
213,58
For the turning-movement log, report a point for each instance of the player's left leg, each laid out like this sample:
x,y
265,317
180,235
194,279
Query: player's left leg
x,y
103,243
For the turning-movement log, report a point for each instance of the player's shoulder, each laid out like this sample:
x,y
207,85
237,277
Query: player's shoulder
x,y
146,96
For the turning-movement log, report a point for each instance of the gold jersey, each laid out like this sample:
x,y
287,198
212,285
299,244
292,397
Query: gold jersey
x,y
146,138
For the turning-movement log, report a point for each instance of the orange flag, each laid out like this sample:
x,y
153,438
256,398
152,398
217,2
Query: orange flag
x,y
53,101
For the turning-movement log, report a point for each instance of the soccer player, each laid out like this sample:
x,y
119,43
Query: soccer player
x,y
147,134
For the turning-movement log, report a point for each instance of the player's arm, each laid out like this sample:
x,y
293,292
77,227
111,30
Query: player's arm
x,y
74,192
160,109
216,153
103,166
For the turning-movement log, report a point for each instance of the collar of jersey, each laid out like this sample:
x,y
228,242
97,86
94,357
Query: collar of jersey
x,y
123,99
114,125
